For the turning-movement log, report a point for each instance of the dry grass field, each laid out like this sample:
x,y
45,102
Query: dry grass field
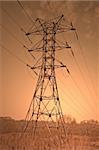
x,y
78,139
10,141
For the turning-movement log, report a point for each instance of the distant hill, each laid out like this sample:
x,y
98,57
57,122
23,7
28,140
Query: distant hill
x,y
7,124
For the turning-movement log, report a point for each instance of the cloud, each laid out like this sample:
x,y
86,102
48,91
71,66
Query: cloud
x,y
51,9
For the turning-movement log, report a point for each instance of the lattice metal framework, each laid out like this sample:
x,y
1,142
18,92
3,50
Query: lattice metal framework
x,y
45,104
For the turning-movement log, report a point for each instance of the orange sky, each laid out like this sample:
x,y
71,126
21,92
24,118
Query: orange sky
x,y
18,83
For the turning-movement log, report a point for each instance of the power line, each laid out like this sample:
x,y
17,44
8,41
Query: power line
x,y
83,77
28,16
14,20
83,56
11,34
15,56
72,97
26,13
85,63
79,68
76,83
21,43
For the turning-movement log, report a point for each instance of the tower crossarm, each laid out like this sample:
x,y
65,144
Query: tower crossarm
x,y
41,26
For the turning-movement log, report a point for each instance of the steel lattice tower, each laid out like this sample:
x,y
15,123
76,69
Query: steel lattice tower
x,y
45,104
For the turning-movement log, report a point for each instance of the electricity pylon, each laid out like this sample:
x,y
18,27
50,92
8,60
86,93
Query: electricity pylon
x,y
45,104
